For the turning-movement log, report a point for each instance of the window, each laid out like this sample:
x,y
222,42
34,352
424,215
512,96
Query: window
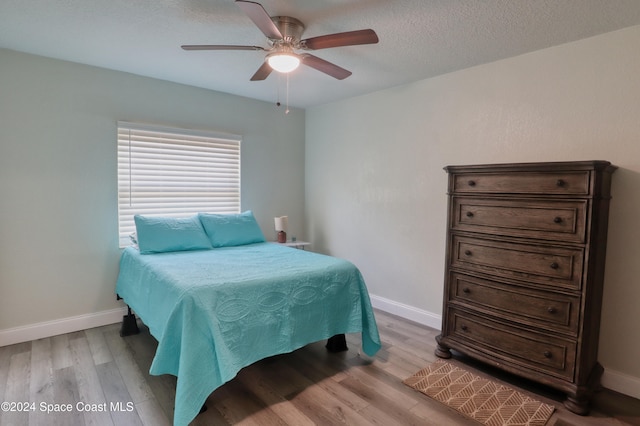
x,y
174,172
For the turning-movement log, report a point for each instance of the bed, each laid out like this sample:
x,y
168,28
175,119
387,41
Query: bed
x,y
217,309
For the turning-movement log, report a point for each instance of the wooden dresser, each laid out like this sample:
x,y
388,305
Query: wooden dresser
x,y
524,270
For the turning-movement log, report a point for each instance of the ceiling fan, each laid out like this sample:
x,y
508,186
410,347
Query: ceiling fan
x,y
284,38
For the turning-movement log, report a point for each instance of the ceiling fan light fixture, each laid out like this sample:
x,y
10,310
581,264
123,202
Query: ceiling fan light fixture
x,y
283,62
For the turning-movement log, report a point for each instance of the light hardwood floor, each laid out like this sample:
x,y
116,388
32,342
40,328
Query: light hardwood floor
x,y
306,387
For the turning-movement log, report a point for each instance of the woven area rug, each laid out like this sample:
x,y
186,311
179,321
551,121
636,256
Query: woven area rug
x,y
480,399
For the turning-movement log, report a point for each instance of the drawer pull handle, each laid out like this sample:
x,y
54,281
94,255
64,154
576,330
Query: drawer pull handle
x,y
472,183
466,290
547,354
557,219
560,182
554,265
467,252
464,328
469,214
551,310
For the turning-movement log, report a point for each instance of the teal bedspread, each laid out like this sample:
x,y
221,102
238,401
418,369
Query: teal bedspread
x,y
216,311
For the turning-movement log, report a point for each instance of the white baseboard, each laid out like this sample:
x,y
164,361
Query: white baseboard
x,y
407,312
611,379
41,330
621,382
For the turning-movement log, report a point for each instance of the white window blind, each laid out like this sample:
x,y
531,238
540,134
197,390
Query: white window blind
x,y
174,172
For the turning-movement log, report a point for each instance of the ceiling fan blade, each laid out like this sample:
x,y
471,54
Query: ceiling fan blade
x,y
325,66
219,47
261,18
349,38
262,73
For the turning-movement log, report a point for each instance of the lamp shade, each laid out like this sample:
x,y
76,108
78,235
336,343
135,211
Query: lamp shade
x,y
281,223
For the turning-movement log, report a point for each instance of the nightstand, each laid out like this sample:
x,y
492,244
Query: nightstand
x,y
296,244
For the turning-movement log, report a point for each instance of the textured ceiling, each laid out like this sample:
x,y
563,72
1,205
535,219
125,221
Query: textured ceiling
x,y
418,38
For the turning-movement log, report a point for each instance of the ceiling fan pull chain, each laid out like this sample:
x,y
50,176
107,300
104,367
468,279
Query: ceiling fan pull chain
x,y
278,91
286,111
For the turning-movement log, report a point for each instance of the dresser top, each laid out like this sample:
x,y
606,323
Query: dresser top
x,y
554,166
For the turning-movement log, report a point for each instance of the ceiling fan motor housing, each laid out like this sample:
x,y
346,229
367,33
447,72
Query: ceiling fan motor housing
x,y
290,28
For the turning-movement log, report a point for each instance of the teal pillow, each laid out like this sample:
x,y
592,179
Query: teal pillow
x,y
162,234
227,230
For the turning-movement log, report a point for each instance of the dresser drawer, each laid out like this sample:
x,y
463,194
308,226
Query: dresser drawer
x,y
546,265
537,308
524,348
545,219
547,183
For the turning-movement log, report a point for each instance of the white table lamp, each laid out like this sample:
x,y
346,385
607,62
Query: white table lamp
x,y
281,228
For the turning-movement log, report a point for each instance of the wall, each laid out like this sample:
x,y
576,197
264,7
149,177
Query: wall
x,y
376,191
58,213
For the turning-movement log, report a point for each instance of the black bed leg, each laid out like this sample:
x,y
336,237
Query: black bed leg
x,y
337,343
129,324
